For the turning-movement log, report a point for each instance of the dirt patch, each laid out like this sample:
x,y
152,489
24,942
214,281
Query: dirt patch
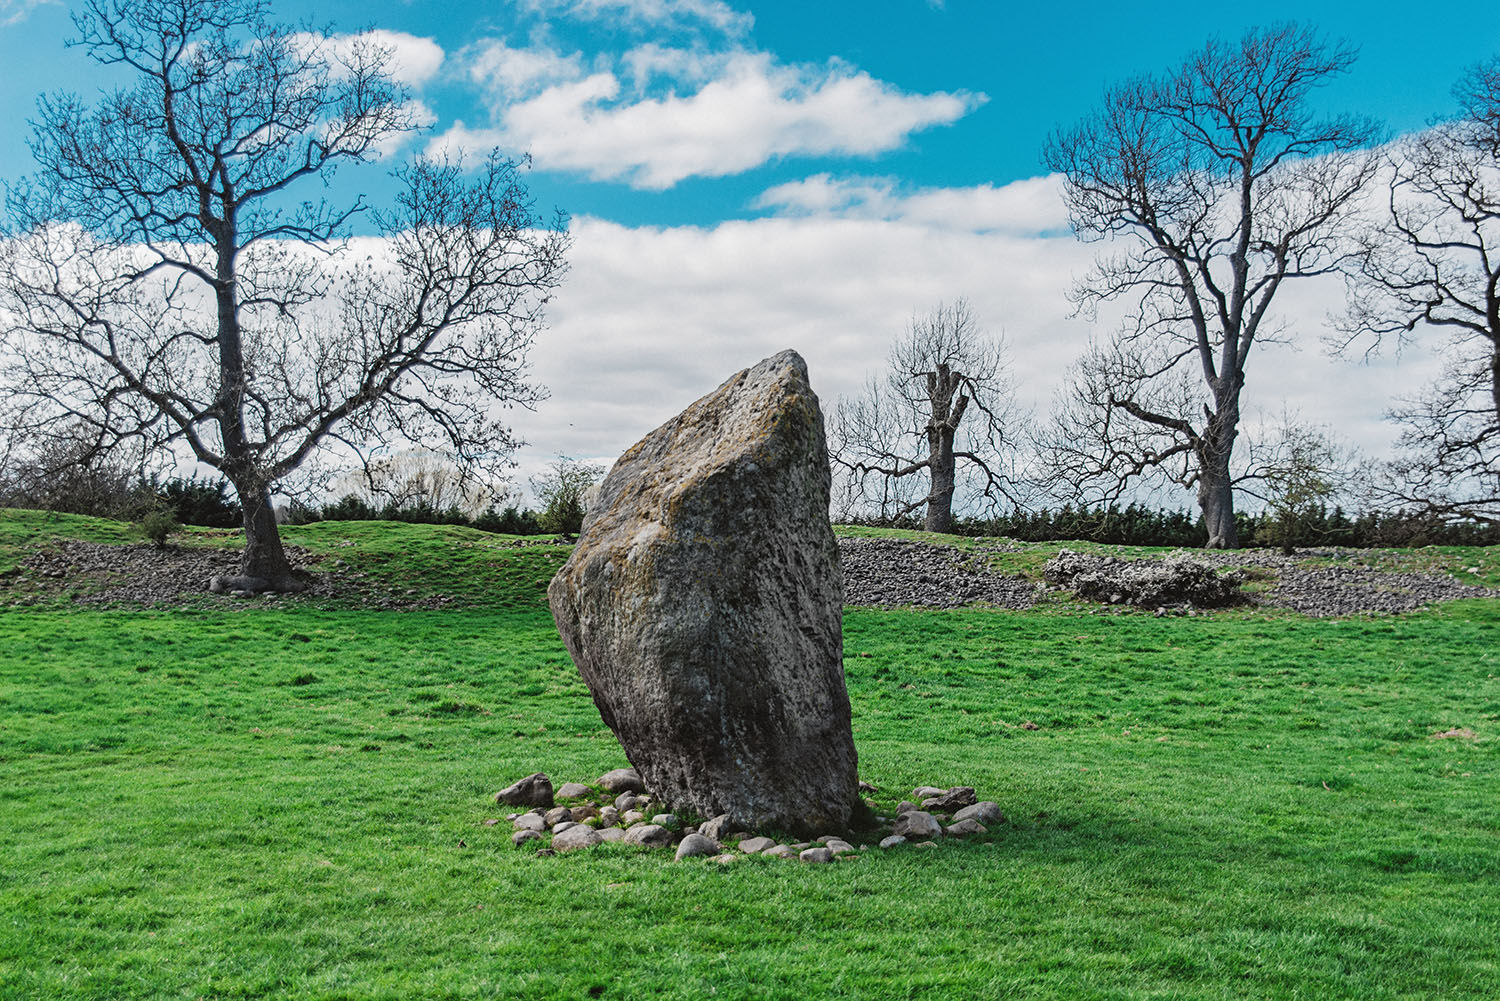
x,y
1458,733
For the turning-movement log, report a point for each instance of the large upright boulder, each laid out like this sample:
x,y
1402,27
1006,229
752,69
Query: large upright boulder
x,y
702,606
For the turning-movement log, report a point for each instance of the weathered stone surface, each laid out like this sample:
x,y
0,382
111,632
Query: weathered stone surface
x,y
985,812
529,822
533,790
612,833
924,792
780,851
917,825
819,854
838,846
557,815
695,846
563,825
522,837
702,606
892,841
632,817
954,799
667,820
609,817
648,834
718,827
572,790
751,846
575,837
621,780
629,801
964,827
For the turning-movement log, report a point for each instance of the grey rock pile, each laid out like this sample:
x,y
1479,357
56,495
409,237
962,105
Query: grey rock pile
x,y
906,572
591,819
1179,581
141,574
1331,582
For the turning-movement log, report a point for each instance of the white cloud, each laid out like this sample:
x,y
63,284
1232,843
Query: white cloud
x,y
652,318
750,110
1029,206
507,73
713,14
414,60
16,11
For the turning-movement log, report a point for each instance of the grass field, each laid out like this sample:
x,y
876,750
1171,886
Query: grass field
x,y
253,802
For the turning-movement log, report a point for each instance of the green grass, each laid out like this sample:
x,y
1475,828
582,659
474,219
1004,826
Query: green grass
x,y
269,802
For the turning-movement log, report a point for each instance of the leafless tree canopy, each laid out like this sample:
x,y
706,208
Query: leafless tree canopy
x,y
1215,184
945,400
1434,263
162,283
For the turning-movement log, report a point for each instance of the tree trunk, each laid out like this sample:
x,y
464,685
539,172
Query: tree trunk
x,y
1216,499
264,566
941,466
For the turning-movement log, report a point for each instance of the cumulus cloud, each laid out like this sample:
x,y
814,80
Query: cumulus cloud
x,y
652,318
744,110
414,60
1029,206
712,14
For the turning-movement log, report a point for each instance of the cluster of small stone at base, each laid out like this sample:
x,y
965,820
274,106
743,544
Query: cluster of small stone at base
x,y
587,824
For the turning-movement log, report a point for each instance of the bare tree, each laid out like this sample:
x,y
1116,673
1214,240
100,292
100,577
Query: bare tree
x,y
163,284
1215,184
415,477
1435,263
945,400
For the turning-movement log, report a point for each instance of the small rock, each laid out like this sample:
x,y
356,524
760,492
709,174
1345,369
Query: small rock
x,y
583,812
533,790
892,841
917,824
491,821
545,853
801,845
985,812
926,844
631,817
649,834
839,846
524,836
667,820
529,822
611,833
621,780
827,838
866,787
561,826
724,859
576,837
628,801
906,806
779,851
954,799
696,846
557,815
609,817
718,828
964,827
816,855
751,846
572,790
924,792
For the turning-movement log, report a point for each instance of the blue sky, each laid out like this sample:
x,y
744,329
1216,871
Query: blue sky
x,y
745,177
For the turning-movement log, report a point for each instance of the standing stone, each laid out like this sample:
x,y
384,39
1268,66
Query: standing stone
x,y
702,606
